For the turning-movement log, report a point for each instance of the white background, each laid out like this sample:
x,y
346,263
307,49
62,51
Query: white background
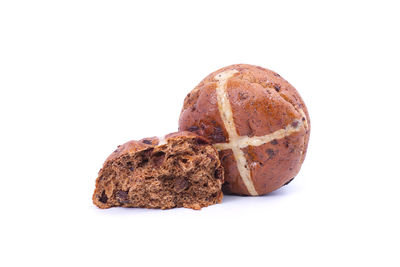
x,y
77,78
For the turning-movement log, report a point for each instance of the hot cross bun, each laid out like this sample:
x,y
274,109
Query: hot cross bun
x,y
256,120
181,169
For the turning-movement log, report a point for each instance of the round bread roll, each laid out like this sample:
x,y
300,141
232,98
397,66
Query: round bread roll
x,y
258,123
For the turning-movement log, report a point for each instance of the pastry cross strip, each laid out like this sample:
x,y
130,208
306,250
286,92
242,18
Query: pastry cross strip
x,y
237,142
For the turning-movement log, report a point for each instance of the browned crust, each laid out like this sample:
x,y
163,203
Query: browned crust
x,y
185,134
202,113
149,142
233,181
275,164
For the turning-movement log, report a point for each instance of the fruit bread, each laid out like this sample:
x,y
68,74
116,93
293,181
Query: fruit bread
x,y
256,120
179,170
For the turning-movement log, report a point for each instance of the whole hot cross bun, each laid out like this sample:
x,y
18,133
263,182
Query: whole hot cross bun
x,y
256,120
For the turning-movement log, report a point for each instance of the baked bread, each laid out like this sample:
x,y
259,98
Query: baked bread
x,y
256,120
180,170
